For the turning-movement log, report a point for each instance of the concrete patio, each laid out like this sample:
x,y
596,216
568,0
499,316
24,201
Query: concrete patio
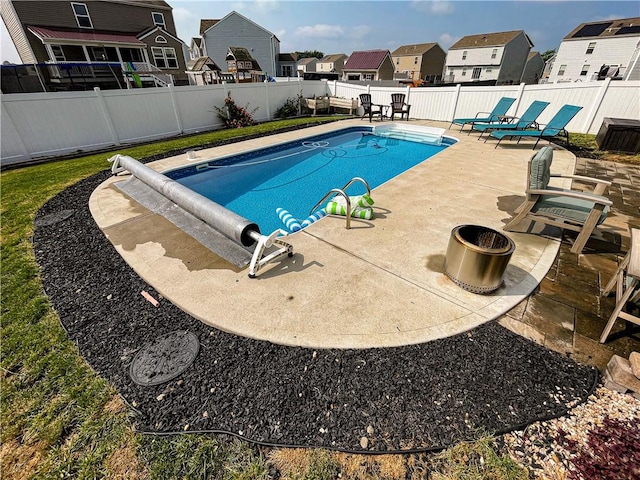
x,y
382,283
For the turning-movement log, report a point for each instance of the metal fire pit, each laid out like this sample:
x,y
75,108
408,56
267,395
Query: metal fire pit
x,y
477,258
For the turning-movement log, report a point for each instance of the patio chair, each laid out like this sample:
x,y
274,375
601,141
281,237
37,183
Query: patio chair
x,y
565,208
398,106
527,120
497,115
555,127
370,109
627,282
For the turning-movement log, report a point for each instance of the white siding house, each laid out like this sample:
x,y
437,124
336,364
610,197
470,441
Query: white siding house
x,y
235,30
597,50
489,57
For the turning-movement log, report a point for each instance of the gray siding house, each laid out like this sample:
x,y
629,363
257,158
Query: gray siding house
x,y
497,58
235,30
533,69
140,36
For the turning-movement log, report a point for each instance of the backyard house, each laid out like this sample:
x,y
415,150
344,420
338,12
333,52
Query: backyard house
x,y
98,43
598,50
287,65
331,63
196,48
491,58
306,65
368,65
533,69
235,30
422,61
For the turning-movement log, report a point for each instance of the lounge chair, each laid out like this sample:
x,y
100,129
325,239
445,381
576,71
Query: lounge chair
x,y
370,109
494,116
398,106
565,208
555,127
527,120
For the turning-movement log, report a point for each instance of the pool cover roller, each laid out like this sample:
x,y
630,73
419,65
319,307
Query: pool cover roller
x,y
230,224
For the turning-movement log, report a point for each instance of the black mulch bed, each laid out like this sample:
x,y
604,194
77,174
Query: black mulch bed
x,y
414,397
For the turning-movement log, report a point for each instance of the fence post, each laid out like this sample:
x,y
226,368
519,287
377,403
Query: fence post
x,y
335,88
266,94
174,102
455,102
20,143
107,118
595,106
518,98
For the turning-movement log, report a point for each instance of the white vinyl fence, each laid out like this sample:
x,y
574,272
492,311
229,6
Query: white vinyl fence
x,y
49,124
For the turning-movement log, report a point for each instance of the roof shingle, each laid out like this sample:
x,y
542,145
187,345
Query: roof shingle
x,y
486,40
366,60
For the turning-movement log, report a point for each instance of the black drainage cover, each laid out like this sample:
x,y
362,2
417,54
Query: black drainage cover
x,y
165,358
53,218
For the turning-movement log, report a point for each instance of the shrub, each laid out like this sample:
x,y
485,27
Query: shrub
x,y
611,452
290,108
234,116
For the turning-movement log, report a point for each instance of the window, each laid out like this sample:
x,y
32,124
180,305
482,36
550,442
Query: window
x,y
161,39
397,61
489,70
476,73
585,69
464,72
164,57
353,76
494,53
287,71
561,70
81,12
415,60
591,47
58,54
464,55
158,19
368,76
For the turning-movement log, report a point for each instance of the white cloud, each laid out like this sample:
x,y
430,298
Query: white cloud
x,y
320,31
446,40
182,14
436,7
267,5
358,32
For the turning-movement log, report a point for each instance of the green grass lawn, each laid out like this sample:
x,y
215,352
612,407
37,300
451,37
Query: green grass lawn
x,y
61,420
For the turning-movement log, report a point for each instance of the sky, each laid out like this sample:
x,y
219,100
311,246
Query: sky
x,y
335,26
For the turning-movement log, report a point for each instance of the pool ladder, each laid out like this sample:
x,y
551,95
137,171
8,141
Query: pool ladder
x,y
341,191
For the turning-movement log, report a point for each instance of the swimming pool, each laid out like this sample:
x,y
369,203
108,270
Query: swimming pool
x,y
296,175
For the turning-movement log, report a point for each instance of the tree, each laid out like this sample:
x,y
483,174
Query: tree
x,y
310,54
548,54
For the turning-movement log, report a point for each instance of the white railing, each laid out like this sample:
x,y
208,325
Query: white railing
x,y
48,124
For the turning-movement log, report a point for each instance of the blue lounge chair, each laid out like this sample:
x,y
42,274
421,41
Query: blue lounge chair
x,y
494,116
527,120
555,127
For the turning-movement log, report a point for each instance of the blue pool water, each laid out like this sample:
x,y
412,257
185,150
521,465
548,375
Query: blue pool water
x,y
296,175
